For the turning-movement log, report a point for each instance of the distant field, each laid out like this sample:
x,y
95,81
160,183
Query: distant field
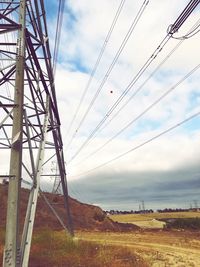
x,y
130,218
150,220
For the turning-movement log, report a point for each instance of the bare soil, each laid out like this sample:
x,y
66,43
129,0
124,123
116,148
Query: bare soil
x,y
84,216
157,248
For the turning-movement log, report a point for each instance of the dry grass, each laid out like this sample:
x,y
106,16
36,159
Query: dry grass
x,y
57,249
157,248
150,224
109,249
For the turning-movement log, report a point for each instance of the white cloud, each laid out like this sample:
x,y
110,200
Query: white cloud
x,y
88,31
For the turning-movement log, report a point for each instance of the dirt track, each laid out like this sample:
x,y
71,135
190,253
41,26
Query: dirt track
x,y
159,249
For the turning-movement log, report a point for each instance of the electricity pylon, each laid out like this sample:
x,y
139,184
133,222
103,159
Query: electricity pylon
x,y
56,184
30,134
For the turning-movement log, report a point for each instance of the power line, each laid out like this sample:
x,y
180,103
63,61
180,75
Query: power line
x,y
117,14
58,33
183,16
178,23
78,194
121,48
140,145
140,87
189,34
143,112
125,92
150,76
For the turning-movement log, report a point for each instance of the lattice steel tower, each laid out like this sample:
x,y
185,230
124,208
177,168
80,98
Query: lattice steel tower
x,y
56,179
30,135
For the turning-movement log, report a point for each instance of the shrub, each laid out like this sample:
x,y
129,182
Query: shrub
x,y
98,216
184,223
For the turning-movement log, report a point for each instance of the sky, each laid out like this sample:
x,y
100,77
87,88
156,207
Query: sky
x,y
119,168
162,173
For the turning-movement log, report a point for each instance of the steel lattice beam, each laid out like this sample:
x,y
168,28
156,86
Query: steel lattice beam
x,y
26,82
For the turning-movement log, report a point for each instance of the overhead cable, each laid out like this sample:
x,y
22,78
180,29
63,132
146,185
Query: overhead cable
x,y
61,7
97,61
121,48
148,78
178,23
141,145
183,16
189,34
141,86
125,92
144,112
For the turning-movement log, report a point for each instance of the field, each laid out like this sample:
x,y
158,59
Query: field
x,y
150,220
57,249
157,248
139,248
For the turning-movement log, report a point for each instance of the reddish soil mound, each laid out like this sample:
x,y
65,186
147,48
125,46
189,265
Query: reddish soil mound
x,y
84,216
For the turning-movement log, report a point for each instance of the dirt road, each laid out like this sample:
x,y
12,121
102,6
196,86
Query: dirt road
x,y
158,249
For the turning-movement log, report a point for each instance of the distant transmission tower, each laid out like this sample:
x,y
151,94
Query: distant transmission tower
x,y
29,124
55,176
195,204
143,206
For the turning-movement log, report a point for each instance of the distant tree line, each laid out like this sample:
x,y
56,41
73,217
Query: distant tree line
x,y
183,223
177,210
146,211
112,212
